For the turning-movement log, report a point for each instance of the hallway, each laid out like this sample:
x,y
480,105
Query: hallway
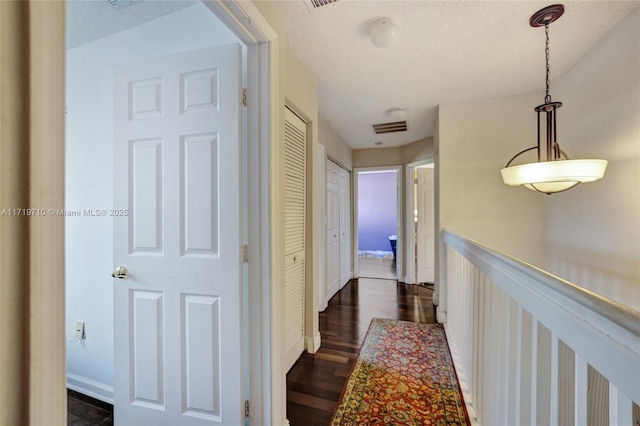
x,y
315,382
377,267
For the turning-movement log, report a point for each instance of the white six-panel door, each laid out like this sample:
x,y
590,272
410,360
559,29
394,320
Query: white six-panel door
x,y
333,230
177,314
426,227
345,226
295,141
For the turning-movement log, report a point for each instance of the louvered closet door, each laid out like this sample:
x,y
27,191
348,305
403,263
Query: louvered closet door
x,y
294,234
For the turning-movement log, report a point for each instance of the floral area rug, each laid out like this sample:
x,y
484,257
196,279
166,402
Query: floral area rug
x,y
403,376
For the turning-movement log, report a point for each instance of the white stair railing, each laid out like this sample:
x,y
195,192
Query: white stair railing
x,y
533,349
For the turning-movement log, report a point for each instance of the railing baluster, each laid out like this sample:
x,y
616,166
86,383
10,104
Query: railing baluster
x,y
620,407
554,382
534,371
512,368
503,357
518,381
476,337
496,354
482,369
469,308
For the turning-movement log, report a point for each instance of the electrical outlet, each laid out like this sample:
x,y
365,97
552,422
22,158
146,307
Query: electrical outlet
x,y
79,329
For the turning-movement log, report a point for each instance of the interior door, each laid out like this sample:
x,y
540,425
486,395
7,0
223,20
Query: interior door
x,y
333,230
345,226
426,227
295,171
177,312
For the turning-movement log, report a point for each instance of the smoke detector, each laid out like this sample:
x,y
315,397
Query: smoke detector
x,y
398,113
383,33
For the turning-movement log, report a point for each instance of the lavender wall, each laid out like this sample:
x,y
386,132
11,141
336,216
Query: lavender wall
x,y
377,210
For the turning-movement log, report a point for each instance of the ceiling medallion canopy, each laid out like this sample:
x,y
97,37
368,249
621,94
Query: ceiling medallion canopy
x,y
557,172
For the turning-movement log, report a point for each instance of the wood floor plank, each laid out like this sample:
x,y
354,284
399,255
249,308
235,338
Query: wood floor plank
x,y
315,382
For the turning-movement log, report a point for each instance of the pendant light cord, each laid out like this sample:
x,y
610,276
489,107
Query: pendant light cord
x,y
547,98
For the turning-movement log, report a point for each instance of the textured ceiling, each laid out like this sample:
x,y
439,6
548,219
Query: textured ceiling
x,y
446,52
89,20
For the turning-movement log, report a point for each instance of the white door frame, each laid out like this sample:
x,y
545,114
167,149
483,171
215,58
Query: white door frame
x,y
46,34
410,270
322,227
400,224
244,19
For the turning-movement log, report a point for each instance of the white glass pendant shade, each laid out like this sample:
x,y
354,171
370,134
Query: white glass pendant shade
x,y
383,33
554,176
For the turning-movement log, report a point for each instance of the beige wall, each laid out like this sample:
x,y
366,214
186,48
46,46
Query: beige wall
x,y
377,157
298,90
476,139
396,156
334,146
418,151
301,92
593,231
32,295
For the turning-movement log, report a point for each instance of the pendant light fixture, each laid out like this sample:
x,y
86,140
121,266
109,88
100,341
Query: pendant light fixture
x,y
557,172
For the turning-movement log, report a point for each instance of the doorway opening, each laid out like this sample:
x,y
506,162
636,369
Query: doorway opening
x,y
378,220
89,251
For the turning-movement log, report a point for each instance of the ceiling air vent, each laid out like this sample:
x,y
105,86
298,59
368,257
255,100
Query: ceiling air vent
x,y
314,4
393,127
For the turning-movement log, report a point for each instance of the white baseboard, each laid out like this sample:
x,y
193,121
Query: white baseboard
x,y
90,388
464,385
313,343
441,315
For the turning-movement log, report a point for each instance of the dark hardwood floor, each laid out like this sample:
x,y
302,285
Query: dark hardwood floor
x,y
315,382
82,410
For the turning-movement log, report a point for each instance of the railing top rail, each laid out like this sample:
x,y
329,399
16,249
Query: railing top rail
x,y
619,314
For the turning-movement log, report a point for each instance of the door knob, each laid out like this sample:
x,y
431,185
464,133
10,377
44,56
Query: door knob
x,y
120,272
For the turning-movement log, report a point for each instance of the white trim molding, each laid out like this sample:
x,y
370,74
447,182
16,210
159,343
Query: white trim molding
x,y
313,343
90,387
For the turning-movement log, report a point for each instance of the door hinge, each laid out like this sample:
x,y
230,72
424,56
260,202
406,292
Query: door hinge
x,y
247,409
245,254
245,97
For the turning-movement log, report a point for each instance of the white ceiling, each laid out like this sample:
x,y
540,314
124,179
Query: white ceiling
x,y
89,20
446,52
